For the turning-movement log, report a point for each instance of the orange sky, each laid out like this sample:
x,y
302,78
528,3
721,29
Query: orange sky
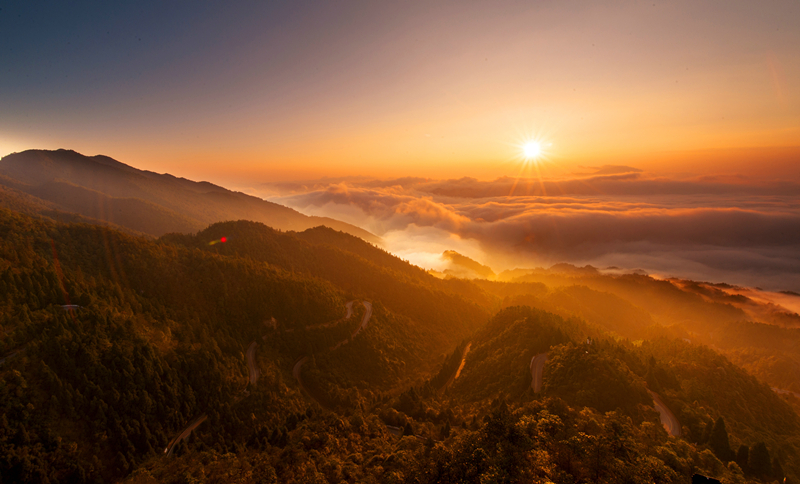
x,y
446,90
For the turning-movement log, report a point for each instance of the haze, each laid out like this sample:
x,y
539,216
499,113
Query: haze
x,y
669,130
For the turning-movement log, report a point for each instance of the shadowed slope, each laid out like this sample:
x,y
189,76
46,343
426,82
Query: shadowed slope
x,y
448,311
186,205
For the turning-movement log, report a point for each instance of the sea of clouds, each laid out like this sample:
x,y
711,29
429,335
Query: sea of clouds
x,y
720,229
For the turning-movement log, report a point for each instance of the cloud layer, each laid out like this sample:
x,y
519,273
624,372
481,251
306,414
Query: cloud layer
x,y
704,228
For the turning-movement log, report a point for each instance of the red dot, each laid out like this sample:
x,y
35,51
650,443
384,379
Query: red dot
x,y
223,240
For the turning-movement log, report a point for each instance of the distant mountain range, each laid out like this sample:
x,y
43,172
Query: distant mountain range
x,y
71,187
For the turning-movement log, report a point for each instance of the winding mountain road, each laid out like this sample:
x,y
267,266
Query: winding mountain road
x,y
330,324
253,371
297,370
668,419
185,433
365,319
349,307
463,361
537,367
455,375
298,367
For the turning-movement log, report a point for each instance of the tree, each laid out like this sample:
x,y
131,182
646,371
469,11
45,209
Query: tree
x,y
446,429
718,441
759,463
652,382
742,456
706,432
777,469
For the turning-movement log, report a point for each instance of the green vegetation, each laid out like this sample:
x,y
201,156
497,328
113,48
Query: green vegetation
x,y
95,394
591,375
498,362
452,309
109,384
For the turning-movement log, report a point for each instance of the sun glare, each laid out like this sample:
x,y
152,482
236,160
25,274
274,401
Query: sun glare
x,y
532,149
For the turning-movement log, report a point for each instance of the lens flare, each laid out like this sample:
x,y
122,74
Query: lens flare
x,y
533,152
532,149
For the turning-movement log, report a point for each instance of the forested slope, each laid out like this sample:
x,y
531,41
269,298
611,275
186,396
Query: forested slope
x,y
445,311
94,394
158,338
758,335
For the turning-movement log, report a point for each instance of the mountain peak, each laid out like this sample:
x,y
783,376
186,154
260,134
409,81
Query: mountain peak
x,y
463,266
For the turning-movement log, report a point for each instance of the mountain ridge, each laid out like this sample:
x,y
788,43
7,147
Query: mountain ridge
x,y
199,203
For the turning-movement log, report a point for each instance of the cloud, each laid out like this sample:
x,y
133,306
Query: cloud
x,y
747,233
614,169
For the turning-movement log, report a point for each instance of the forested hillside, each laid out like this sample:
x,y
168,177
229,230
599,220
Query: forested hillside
x,y
760,336
159,334
158,337
501,351
113,345
449,309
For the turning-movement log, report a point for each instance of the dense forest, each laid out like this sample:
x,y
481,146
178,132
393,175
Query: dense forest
x,y
113,343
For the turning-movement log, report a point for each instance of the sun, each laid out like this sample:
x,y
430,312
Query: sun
x,y
532,149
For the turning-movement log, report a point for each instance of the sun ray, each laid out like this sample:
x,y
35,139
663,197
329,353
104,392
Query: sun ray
x,y
532,152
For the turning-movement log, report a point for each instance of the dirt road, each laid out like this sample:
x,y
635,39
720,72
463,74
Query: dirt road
x,y
364,321
463,361
297,370
458,371
185,433
254,372
349,307
537,367
668,419
330,324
